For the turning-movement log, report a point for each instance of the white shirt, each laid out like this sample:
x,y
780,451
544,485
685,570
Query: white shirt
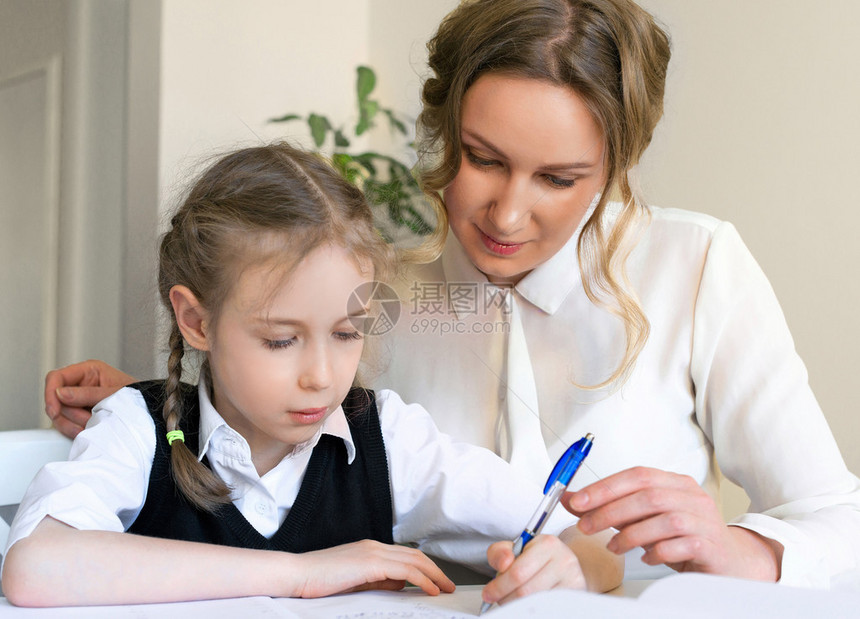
x,y
718,377
449,498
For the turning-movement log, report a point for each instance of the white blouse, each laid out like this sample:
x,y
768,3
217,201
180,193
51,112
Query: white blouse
x,y
450,499
718,377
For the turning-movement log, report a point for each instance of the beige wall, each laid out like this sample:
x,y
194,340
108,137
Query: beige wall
x,y
762,128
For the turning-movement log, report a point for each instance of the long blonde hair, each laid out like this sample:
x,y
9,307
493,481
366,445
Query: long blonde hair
x,y
255,205
614,56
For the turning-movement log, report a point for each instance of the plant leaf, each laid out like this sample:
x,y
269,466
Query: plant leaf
x,y
366,160
283,119
319,127
365,83
367,110
394,121
340,139
340,161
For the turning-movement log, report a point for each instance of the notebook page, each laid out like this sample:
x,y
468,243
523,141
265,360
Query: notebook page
x,y
732,597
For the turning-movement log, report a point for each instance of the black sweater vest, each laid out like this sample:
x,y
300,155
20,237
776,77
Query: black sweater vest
x,y
337,503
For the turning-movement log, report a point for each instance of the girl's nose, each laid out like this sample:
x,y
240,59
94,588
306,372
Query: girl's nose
x,y
317,372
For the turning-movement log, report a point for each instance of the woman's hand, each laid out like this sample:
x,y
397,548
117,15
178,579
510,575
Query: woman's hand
x,y
675,521
368,565
72,391
571,561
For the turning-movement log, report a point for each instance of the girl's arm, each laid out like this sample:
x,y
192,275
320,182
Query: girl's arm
x,y
58,565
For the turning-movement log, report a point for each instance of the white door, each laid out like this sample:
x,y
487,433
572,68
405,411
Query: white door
x,y
29,152
62,158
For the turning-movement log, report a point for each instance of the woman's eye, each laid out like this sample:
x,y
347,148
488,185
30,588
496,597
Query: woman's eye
x,y
279,344
479,161
560,183
348,336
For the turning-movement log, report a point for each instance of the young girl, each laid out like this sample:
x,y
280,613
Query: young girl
x,y
275,450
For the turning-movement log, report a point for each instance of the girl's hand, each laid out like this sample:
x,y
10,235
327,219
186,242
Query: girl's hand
x,y
545,563
72,391
368,565
675,521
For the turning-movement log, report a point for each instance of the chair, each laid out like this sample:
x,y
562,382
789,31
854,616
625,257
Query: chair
x,y
22,454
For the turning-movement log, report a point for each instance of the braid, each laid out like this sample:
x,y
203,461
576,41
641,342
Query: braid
x,y
198,483
173,401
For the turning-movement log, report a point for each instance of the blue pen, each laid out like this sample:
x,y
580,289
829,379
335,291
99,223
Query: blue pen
x,y
557,483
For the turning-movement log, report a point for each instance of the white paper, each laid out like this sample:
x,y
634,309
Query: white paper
x,y
566,603
733,597
411,603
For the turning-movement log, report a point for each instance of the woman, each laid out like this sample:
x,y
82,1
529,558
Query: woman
x,y
562,305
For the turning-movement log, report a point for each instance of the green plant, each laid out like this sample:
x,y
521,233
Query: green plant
x,y
387,182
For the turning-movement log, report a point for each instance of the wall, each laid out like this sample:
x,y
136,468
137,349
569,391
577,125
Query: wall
x,y
246,62
399,31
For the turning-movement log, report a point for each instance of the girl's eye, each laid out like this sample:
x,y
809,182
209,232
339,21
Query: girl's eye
x,y
560,183
479,161
348,336
279,344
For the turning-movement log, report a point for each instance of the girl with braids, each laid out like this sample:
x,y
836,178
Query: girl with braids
x,y
275,475
653,328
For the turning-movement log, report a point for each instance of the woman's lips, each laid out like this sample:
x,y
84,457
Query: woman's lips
x,y
497,247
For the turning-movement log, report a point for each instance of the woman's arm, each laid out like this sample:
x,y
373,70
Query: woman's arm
x,y
72,391
58,565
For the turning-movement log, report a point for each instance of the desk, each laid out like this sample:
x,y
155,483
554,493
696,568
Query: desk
x,y
631,588
681,596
